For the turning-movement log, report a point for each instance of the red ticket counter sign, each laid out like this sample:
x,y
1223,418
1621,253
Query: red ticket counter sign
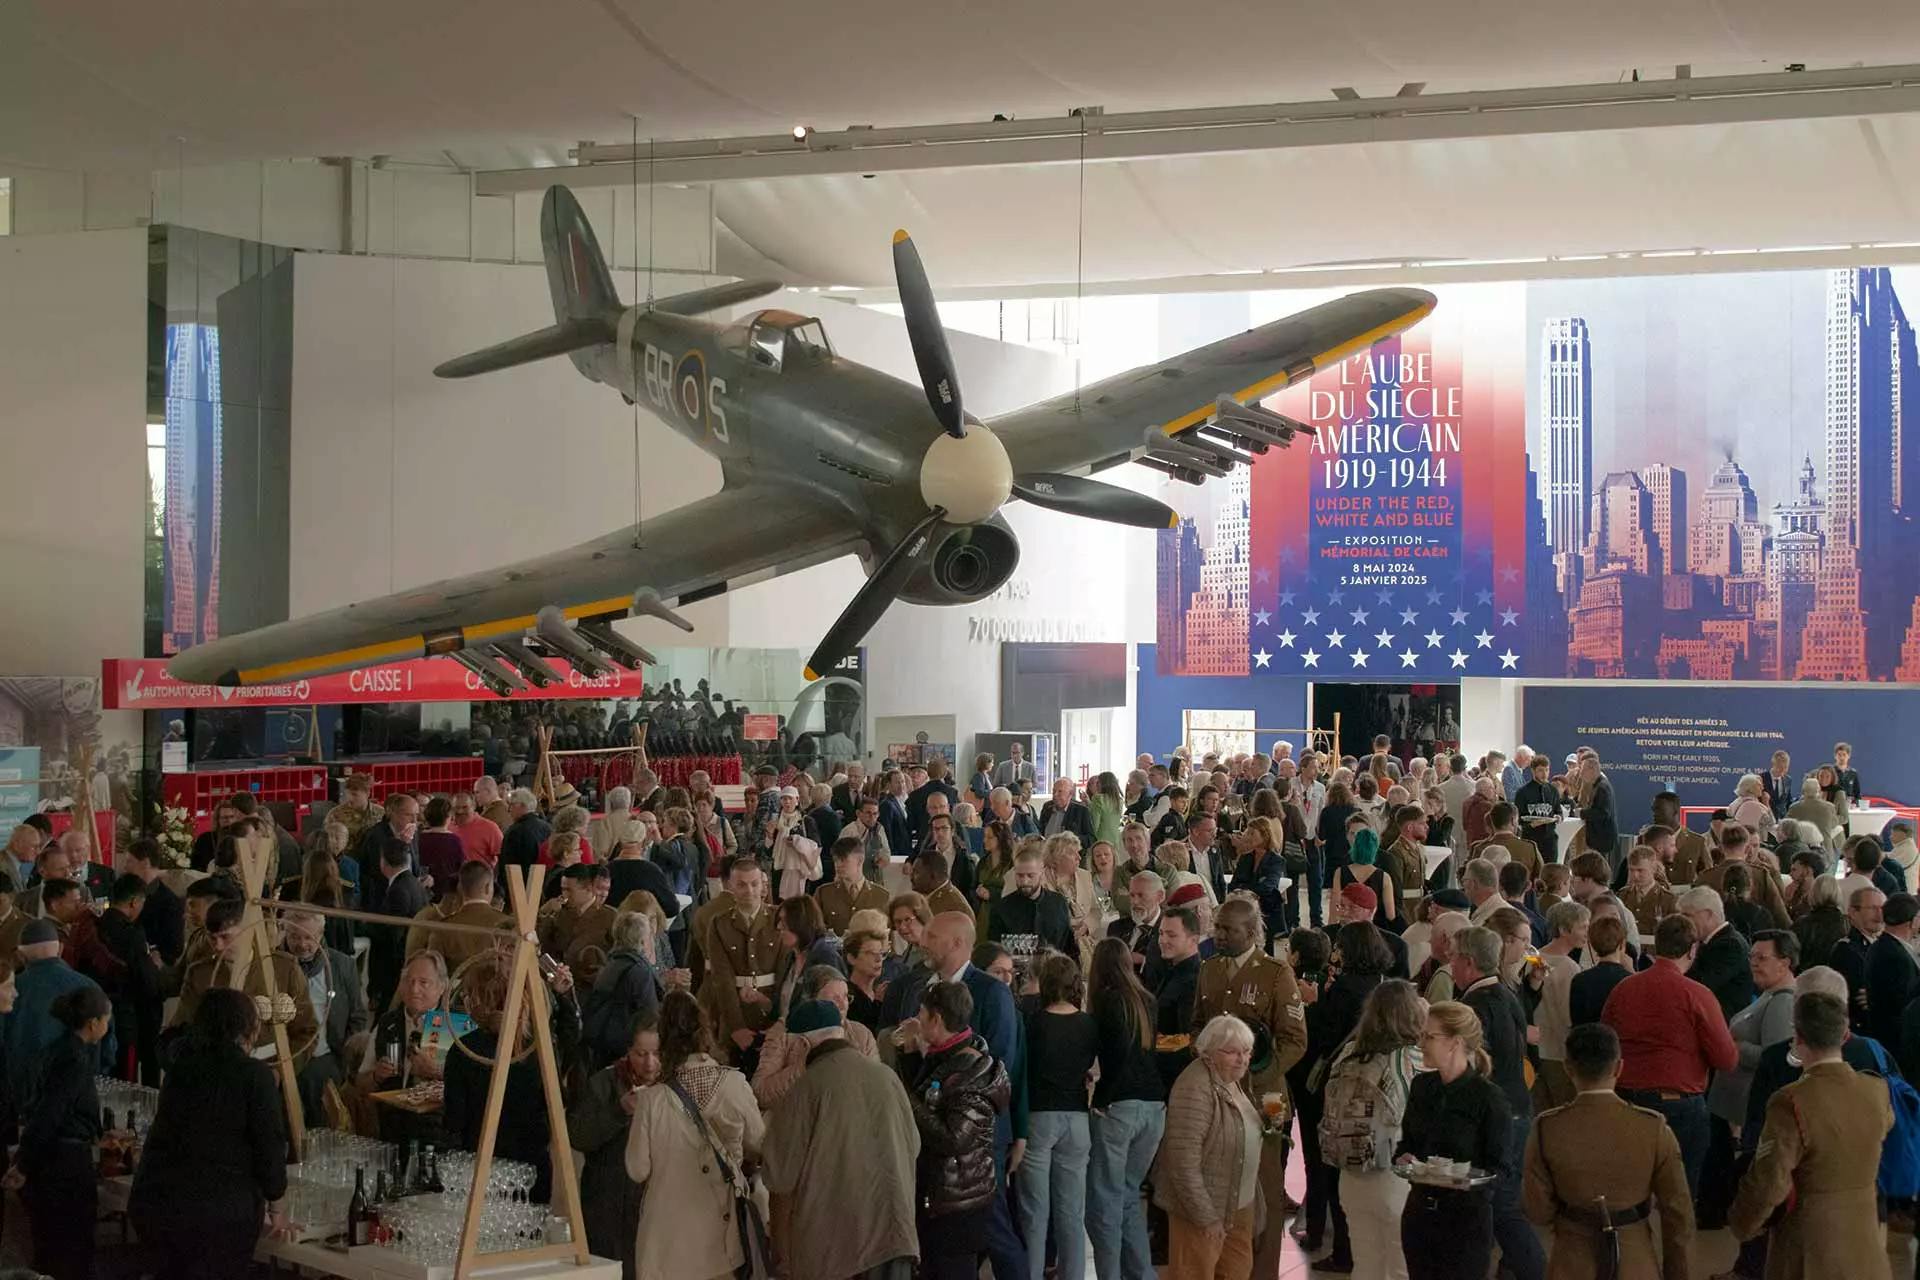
x,y
760,728
142,684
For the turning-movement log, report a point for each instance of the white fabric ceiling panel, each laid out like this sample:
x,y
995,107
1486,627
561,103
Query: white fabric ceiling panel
x,y
1736,186
115,83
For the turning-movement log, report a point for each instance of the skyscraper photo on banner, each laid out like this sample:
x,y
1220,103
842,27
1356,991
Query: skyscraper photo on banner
x,y
1542,480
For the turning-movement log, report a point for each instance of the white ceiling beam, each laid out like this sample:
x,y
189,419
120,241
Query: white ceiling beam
x,y
1594,266
1853,91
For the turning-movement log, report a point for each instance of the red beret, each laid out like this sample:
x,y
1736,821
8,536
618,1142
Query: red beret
x,y
1185,894
1361,896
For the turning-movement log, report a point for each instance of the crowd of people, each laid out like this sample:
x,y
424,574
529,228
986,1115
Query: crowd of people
x,y
874,1025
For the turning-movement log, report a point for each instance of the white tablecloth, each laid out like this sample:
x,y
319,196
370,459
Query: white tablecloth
x,y
1564,829
1868,822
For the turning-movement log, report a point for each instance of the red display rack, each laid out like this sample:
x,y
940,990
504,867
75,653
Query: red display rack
x,y
198,792
435,777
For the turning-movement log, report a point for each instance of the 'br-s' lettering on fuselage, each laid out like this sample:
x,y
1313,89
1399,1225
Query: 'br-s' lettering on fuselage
x,y
680,387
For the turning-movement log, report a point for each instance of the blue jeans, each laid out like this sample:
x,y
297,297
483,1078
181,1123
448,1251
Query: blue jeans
x,y
1125,1137
1052,1183
1687,1117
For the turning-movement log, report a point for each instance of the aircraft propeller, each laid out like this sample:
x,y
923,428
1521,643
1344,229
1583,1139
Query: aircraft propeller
x,y
1072,495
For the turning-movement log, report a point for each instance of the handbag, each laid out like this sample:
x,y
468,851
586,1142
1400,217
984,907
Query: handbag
x,y
746,1214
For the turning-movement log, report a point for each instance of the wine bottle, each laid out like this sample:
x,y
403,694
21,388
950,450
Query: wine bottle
x,y
434,1184
359,1218
380,1191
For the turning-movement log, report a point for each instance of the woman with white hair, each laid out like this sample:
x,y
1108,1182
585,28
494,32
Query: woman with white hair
x,y
1207,1175
1750,808
605,835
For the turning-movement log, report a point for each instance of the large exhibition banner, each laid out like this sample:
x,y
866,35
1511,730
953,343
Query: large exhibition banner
x,y
1697,740
1706,477
1389,545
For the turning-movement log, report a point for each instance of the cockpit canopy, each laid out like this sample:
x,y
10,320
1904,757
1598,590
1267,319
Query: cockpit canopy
x,y
774,339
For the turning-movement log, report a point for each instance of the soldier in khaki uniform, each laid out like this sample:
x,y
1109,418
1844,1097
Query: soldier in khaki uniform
x,y
849,890
1506,835
1692,853
472,904
1821,1143
1739,846
930,881
697,945
223,928
1600,1150
573,930
742,958
1644,895
1241,979
356,811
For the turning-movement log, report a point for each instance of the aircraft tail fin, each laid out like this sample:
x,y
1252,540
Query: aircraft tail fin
x,y
577,274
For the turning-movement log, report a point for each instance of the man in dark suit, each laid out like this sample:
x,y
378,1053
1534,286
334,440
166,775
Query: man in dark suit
x,y
520,845
1865,915
389,888
1892,974
893,816
1721,963
846,796
1178,947
1778,783
402,820
1140,927
164,918
936,783
1212,852
949,947
338,1006
1064,813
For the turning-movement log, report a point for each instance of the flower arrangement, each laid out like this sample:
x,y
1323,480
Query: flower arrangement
x,y
175,834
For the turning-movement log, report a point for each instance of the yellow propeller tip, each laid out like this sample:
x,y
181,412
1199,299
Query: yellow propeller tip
x,y
810,673
1173,520
898,236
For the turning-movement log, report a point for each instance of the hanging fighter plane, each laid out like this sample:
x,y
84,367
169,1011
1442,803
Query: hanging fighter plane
x,y
820,457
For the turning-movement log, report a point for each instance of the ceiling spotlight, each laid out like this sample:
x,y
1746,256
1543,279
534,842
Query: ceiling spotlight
x,y
801,131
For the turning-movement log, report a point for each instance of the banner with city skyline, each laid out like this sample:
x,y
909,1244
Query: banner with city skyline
x,y
1684,477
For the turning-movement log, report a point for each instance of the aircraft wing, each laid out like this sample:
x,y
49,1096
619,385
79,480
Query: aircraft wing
x,y
1115,415
737,536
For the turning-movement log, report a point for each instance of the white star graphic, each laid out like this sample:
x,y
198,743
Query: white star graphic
x,y
1508,618
1335,638
1458,659
1507,660
1286,639
1337,597
1483,641
1385,638
1459,616
1409,617
1261,618
1408,658
1433,639
1359,657
1312,616
1433,597
1262,658
1359,617
1385,596
1483,596
1286,597
1310,659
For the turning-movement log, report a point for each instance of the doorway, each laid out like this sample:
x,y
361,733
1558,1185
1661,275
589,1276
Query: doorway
x,y
1419,719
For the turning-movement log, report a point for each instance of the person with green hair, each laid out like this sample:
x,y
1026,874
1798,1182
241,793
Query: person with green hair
x,y
1363,858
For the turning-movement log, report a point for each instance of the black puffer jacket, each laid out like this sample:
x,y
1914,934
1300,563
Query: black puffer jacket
x,y
956,1094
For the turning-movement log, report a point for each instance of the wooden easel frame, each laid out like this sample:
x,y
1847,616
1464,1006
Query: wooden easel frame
x,y
257,851
526,989
544,786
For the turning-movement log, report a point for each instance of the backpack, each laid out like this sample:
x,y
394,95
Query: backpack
x,y
1361,1120
1900,1153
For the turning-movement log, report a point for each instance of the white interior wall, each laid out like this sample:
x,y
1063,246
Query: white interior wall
x,y
73,349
